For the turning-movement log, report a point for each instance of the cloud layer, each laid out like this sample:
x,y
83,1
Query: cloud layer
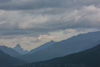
x,y
38,22
40,18
40,4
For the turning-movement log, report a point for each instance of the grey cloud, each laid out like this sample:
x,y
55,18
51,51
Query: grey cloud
x,y
24,21
27,32
57,18
35,41
40,4
5,1
30,4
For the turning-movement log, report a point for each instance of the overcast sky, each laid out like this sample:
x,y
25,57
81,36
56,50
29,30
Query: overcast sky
x,y
32,23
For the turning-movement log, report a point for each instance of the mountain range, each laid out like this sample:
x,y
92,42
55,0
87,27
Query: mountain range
x,y
82,50
72,45
87,58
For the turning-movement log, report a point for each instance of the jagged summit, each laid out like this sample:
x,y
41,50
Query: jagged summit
x,y
19,49
17,46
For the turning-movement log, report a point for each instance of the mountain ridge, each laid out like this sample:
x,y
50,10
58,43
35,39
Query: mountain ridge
x,y
87,58
43,46
9,51
72,45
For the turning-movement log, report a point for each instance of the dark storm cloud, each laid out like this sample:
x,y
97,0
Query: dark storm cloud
x,y
29,4
27,32
5,1
60,15
40,4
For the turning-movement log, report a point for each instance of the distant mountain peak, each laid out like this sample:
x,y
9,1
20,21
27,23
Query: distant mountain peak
x,y
19,49
17,46
52,41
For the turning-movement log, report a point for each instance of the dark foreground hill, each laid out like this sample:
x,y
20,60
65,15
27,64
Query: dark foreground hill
x,y
87,58
8,61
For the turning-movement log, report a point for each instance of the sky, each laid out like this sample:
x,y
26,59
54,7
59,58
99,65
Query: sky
x,y
32,23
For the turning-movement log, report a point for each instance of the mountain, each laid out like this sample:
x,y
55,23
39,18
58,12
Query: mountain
x,y
69,46
8,61
87,58
20,50
9,51
46,45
